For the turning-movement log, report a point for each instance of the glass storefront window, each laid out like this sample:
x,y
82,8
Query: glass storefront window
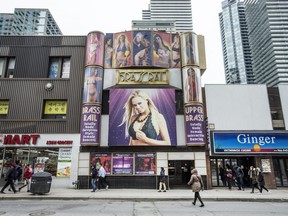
x,y
41,159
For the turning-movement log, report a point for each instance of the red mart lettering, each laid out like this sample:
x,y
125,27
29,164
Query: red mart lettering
x,y
24,139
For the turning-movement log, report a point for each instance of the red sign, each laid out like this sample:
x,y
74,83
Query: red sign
x,y
22,139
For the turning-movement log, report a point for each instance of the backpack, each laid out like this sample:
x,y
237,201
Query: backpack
x,y
94,173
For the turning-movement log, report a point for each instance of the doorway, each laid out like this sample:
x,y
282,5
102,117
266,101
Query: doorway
x,y
217,163
281,171
179,173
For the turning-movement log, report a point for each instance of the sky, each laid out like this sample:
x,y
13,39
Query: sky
x,y
111,16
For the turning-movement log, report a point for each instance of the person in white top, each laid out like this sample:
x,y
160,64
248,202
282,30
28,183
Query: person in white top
x,y
102,178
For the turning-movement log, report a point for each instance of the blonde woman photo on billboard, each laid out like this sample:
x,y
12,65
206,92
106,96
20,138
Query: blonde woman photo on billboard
x,y
122,51
143,122
92,48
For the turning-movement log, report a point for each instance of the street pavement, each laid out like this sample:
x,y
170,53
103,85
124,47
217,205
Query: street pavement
x,y
217,194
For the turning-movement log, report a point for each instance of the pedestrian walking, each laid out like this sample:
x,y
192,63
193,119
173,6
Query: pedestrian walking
x,y
222,174
196,183
254,180
229,178
162,182
94,178
261,181
102,178
239,174
27,177
10,177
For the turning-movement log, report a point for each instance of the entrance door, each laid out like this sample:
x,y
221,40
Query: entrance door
x,y
217,164
281,172
179,173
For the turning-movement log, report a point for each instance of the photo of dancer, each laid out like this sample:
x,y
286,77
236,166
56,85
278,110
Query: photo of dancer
x,y
142,117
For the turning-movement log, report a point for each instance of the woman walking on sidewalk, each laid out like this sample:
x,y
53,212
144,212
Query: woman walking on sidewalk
x,y
261,181
197,185
27,176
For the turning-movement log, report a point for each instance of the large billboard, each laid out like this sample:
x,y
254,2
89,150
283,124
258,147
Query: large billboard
x,y
245,142
142,117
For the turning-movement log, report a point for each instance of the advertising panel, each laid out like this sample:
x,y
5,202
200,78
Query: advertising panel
x,y
250,142
161,49
108,50
95,48
122,51
122,163
64,162
142,52
90,124
142,117
176,56
192,84
101,158
189,54
145,163
93,80
195,127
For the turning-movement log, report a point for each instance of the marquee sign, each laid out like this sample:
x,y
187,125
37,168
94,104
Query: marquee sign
x,y
142,77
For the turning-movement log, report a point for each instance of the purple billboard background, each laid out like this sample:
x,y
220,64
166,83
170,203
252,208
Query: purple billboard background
x,y
90,124
195,128
164,100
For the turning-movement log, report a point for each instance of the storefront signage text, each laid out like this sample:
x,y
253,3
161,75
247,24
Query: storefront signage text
x,y
23,139
250,142
59,142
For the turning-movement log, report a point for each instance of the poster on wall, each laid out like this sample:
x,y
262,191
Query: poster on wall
x,y
95,48
101,158
161,49
64,162
142,117
266,165
189,44
122,51
122,163
192,85
92,92
176,51
142,48
145,163
108,50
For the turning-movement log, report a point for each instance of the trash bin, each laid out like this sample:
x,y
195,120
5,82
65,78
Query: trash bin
x,y
41,183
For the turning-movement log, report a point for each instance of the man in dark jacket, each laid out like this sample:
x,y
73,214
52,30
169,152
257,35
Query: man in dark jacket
x,y
10,177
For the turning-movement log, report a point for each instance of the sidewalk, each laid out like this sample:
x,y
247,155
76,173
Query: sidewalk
x,y
222,194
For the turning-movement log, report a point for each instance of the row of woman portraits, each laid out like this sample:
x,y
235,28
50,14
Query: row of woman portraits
x,y
141,48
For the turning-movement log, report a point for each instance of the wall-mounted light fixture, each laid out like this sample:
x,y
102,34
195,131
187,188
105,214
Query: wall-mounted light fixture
x,y
49,86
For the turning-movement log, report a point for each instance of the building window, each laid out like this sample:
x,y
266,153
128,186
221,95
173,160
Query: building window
x,y
55,109
4,107
59,67
7,65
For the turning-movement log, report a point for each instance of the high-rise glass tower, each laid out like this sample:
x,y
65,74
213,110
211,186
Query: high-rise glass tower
x,y
179,11
235,43
267,22
26,21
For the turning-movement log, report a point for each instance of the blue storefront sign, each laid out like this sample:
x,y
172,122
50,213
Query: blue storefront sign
x,y
249,142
